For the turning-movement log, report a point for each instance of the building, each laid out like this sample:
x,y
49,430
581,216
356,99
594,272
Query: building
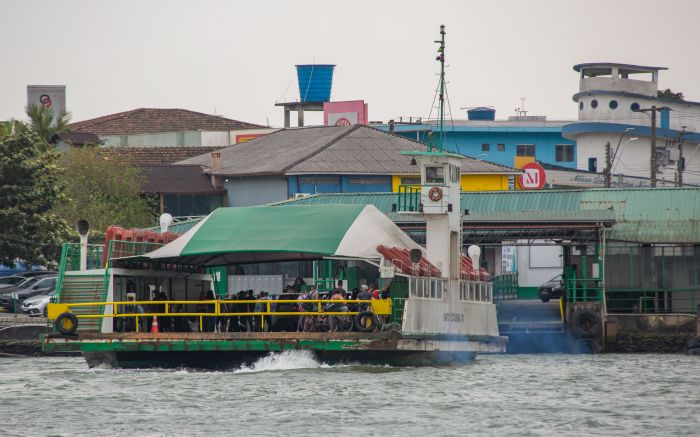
x,y
614,102
334,159
182,190
499,141
152,127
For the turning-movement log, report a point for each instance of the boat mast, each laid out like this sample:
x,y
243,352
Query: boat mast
x,y
441,59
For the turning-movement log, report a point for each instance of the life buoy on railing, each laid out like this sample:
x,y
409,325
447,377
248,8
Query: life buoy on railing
x,y
435,194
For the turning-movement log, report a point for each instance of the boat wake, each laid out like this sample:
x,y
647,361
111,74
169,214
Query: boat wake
x,y
287,360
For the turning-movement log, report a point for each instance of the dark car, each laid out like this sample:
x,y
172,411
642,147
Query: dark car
x,y
9,297
285,323
11,281
551,289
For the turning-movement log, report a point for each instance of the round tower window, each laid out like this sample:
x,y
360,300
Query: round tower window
x,y
594,103
634,106
580,106
613,104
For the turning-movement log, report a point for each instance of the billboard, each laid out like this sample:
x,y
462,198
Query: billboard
x,y
48,96
345,113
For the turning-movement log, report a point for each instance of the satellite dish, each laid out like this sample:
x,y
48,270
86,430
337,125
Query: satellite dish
x,y
83,227
415,255
165,221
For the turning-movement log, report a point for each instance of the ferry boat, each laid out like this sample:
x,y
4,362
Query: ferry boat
x,y
438,303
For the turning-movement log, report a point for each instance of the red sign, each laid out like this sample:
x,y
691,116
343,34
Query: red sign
x,y
533,176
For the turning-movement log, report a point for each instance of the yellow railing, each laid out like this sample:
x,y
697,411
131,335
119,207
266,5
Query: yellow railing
x,y
378,306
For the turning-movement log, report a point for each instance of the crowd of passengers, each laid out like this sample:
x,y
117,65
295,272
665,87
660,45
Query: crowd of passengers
x,y
238,323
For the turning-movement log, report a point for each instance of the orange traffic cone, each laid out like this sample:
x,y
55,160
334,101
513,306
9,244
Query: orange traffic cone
x,y
154,325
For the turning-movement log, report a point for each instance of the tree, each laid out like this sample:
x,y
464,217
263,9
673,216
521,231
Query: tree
x,y
103,190
29,190
670,95
45,123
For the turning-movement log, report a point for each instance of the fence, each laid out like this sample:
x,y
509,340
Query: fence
x,y
505,286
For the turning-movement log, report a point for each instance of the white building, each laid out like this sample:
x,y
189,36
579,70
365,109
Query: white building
x,y
610,100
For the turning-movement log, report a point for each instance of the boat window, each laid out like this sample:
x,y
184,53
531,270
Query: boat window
x,y
435,175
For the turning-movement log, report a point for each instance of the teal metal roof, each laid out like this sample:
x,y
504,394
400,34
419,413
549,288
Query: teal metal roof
x,y
649,215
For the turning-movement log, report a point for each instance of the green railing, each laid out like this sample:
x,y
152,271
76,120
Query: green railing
x,y
639,301
398,305
505,286
583,290
408,198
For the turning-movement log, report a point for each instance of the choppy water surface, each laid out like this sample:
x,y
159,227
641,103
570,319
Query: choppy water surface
x,y
292,394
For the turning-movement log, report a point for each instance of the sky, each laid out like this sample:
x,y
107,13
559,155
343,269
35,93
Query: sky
x,y
236,58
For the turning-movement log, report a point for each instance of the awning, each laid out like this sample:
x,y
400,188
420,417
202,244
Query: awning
x,y
283,233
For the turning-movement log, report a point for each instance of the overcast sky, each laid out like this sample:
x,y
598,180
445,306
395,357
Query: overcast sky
x,y
236,58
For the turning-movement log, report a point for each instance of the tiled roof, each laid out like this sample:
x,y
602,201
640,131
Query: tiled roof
x,y
334,150
154,120
177,179
77,138
146,156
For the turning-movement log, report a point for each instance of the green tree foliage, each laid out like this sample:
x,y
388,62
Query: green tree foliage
x,y
45,123
102,190
668,94
29,189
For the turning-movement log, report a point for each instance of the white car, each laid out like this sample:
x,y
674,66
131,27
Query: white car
x,y
36,306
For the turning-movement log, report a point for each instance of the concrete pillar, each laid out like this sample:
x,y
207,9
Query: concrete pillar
x,y
286,117
300,117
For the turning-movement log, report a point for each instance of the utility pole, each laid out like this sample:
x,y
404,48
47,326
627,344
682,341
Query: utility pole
x,y
681,162
607,165
653,163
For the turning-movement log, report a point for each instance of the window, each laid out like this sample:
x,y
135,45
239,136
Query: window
x,y
368,181
593,165
564,153
594,103
525,150
501,147
435,175
580,106
634,107
613,104
485,147
410,180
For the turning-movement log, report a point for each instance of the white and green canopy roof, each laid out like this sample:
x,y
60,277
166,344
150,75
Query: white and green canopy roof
x,y
283,233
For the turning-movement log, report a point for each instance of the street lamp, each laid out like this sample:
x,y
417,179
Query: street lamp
x,y
610,159
626,142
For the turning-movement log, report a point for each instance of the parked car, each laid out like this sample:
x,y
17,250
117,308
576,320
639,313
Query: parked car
x,y
11,281
551,289
36,306
33,287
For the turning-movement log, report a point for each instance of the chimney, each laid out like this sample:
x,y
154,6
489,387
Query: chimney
x,y
215,161
391,127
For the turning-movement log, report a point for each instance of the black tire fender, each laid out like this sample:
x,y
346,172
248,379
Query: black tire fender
x,y
66,323
586,323
361,318
585,346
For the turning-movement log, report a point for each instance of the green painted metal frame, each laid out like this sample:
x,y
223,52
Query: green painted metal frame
x,y
408,198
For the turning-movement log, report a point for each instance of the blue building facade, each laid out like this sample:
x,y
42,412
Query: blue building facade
x,y
498,141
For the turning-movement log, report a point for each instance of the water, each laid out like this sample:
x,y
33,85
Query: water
x,y
292,394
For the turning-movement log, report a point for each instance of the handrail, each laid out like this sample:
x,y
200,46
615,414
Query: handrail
x,y
408,198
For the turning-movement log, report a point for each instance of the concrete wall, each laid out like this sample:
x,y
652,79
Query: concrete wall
x,y
537,265
165,139
252,191
649,333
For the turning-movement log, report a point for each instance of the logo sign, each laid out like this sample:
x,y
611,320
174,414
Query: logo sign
x,y
533,176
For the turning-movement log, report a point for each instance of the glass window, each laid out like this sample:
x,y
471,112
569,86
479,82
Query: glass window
x,y
613,104
634,106
435,175
594,103
410,180
525,150
501,147
564,153
485,147
593,165
580,106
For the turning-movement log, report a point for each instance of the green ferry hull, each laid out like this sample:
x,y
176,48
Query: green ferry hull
x,y
232,350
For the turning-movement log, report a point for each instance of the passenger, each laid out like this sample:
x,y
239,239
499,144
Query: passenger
x,y
179,323
301,307
365,294
130,322
339,290
263,297
374,291
163,321
209,321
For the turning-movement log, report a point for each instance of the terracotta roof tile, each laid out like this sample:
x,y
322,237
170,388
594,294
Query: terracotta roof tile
x,y
154,120
149,156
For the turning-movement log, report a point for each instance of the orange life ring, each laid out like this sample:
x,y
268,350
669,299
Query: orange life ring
x,y
435,194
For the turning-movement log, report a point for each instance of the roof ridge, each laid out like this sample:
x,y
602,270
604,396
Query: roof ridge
x,y
322,148
106,118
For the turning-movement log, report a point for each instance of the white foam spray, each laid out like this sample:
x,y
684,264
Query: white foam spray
x,y
287,360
